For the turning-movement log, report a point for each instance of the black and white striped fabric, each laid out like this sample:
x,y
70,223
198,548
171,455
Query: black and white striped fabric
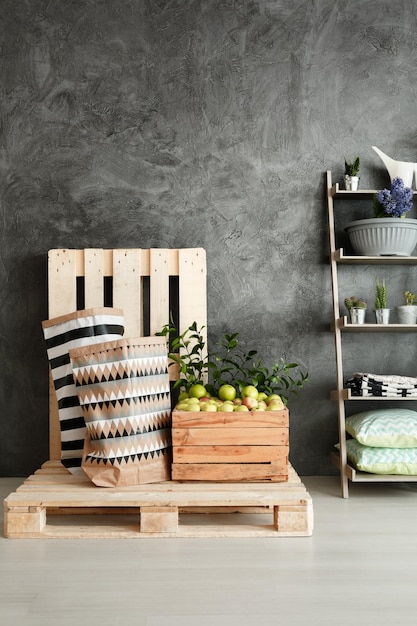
x,y
80,328
383,386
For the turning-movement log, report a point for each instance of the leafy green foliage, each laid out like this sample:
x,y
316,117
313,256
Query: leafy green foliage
x,y
188,351
229,365
352,169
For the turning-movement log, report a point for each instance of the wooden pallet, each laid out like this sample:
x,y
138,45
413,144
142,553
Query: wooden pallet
x,y
56,504
146,284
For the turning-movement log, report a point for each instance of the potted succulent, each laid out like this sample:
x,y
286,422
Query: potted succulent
x,y
407,313
351,177
382,312
356,308
388,232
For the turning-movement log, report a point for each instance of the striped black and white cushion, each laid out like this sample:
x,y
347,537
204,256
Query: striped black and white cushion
x,y
80,328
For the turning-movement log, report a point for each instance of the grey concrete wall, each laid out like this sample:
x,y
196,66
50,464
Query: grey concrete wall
x,y
133,123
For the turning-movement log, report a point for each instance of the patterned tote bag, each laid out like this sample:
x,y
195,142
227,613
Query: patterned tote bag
x,y
123,388
80,328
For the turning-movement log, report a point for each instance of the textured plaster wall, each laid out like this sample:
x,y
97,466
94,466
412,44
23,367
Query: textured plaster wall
x,y
152,123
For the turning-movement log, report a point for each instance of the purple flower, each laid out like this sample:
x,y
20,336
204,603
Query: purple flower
x,y
395,202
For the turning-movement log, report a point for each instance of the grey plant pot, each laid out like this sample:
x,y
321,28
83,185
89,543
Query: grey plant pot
x,y
407,314
357,315
382,316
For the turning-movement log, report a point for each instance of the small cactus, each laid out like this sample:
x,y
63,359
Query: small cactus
x,y
380,295
410,298
353,302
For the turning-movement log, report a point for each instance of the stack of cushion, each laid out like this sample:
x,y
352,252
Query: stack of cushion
x,y
384,441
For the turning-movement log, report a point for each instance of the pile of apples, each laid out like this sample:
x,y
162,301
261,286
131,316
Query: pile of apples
x,y
198,399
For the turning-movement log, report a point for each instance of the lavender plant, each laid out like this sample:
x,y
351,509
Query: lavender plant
x,y
393,202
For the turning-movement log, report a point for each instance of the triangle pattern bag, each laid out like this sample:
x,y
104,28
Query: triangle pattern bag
x,y
124,391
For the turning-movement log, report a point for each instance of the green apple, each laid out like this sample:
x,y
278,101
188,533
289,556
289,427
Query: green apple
x,y
197,391
226,407
210,408
262,396
273,396
183,395
250,391
275,406
182,406
227,392
192,407
240,408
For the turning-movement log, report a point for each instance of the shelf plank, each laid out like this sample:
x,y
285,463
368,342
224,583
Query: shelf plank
x,y
356,476
346,326
340,257
360,193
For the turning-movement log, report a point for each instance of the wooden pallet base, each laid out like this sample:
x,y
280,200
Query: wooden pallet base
x,y
53,503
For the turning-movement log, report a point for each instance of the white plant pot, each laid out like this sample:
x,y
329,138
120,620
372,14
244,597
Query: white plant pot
x,y
407,314
382,316
351,182
383,236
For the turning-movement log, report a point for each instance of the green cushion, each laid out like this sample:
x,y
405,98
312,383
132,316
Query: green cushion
x,y
382,460
384,428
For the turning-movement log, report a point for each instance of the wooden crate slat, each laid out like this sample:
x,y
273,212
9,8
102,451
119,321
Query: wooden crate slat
x,y
229,454
229,436
202,419
271,472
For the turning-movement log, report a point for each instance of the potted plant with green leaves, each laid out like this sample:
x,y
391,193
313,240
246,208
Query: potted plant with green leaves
x,y
382,312
407,312
351,177
356,308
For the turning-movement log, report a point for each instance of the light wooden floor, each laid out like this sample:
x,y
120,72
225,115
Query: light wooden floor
x,y
359,567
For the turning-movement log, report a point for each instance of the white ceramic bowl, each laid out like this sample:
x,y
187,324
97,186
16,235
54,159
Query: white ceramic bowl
x,y
383,236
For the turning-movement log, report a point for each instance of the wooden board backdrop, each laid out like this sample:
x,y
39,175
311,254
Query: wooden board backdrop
x,y
147,284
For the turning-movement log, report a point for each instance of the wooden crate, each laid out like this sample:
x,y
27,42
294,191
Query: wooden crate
x,y
230,446
52,503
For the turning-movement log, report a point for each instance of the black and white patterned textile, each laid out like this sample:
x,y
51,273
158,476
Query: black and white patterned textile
x,y
80,328
382,386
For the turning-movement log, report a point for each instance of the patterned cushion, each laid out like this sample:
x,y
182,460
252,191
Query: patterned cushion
x,y
79,328
401,461
124,390
384,428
